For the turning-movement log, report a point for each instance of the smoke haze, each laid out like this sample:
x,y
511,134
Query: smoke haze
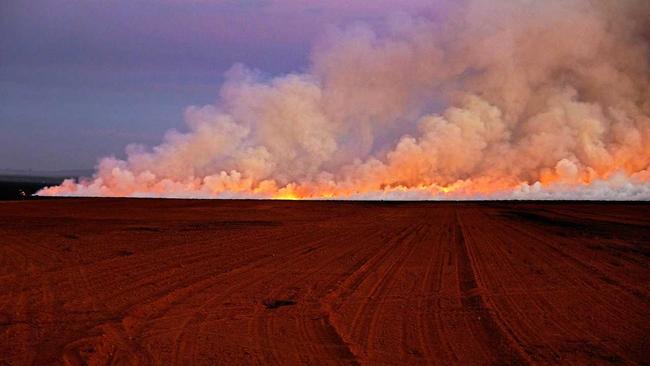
x,y
476,100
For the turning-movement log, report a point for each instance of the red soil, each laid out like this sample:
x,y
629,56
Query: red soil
x,y
116,281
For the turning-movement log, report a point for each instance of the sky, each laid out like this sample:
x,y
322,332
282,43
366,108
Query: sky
x,y
81,79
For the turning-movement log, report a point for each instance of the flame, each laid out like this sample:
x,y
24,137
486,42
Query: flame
x,y
286,196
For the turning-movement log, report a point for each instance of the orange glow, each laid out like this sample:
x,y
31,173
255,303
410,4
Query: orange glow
x,y
286,196
478,187
286,193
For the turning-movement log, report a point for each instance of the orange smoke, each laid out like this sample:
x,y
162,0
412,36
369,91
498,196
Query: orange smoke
x,y
495,100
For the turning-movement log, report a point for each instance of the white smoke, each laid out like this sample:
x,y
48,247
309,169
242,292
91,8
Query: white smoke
x,y
485,99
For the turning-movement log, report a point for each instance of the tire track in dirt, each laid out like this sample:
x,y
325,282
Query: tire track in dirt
x,y
599,297
360,329
363,326
364,283
271,273
207,284
322,331
332,303
116,325
250,276
503,299
131,325
504,347
427,334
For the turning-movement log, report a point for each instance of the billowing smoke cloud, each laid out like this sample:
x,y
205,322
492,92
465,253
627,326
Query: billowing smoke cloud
x,y
480,99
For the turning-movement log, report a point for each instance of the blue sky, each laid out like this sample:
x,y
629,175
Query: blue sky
x,y
82,79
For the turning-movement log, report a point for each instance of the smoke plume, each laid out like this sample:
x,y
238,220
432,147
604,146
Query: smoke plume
x,y
477,99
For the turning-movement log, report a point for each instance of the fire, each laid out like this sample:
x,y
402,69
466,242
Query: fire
x,y
287,193
514,106
286,196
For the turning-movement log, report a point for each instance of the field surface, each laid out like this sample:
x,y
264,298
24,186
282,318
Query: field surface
x,y
119,281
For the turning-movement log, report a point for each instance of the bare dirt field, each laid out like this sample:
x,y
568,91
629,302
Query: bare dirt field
x,y
128,281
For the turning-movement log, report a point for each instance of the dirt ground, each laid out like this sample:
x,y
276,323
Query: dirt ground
x,y
183,282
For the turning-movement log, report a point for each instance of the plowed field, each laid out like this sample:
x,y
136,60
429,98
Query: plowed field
x,y
183,282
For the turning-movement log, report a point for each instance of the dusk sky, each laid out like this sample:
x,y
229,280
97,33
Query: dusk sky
x,y
80,80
